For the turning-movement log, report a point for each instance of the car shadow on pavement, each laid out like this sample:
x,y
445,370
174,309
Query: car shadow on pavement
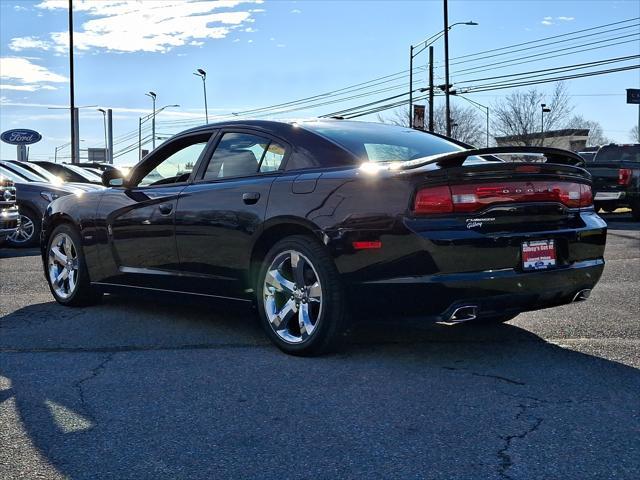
x,y
620,221
168,390
6,252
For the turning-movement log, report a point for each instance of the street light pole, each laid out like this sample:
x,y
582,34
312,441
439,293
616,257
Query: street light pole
x,y
422,46
104,121
141,120
202,74
75,148
446,67
153,119
477,104
544,110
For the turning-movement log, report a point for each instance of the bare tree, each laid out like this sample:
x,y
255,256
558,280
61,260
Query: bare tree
x,y
466,124
596,134
519,114
634,134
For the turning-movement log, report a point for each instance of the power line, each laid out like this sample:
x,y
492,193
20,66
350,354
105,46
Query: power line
x,y
479,88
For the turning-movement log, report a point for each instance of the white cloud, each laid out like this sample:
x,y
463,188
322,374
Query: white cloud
x,y
565,19
295,10
281,45
135,26
546,22
25,88
20,8
23,43
24,71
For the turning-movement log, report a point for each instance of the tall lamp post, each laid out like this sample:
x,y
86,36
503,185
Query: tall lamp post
x,y
544,108
153,96
416,49
202,74
477,104
104,120
141,120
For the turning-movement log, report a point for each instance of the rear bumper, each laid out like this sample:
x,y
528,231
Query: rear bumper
x,y
491,292
618,197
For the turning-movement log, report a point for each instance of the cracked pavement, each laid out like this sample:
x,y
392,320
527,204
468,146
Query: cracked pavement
x,y
166,389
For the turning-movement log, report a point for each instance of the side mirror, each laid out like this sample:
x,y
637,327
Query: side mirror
x,y
113,178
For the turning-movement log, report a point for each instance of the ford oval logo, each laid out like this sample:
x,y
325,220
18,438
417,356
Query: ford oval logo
x,y
20,136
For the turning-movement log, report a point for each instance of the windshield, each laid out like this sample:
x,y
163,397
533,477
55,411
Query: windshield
x,y
50,177
89,176
618,153
377,142
14,177
23,172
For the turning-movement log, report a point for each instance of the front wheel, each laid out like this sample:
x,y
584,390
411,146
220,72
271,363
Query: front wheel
x,y
28,233
300,298
67,272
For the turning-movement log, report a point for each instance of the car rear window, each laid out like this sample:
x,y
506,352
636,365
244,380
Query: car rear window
x,y
618,153
382,143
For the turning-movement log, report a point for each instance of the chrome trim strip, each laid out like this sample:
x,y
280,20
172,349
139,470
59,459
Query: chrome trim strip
x,y
175,273
171,291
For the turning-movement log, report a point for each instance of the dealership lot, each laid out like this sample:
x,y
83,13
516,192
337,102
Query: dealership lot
x,y
140,388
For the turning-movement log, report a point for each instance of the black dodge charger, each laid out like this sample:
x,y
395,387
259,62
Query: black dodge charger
x,y
318,221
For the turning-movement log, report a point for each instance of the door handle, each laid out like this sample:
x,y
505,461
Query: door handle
x,y
250,198
165,208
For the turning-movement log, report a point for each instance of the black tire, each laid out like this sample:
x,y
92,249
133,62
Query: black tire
x,y
635,211
83,294
331,311
26,215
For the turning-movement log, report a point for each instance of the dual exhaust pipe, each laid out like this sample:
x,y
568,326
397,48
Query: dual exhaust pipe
x,y
470,312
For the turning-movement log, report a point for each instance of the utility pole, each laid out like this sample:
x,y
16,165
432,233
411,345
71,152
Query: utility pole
x,y
75,150
104,123
75,144
446,67
202,74
139,138
411,86
110,136
431,89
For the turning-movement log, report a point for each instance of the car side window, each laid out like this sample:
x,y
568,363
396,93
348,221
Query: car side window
x,y
176,167
243,154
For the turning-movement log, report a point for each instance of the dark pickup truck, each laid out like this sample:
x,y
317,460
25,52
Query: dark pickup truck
x,y
616,178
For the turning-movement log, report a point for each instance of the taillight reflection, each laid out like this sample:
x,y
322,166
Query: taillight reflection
x,y
470,198
624,176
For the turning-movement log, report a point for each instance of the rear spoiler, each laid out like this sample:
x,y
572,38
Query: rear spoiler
x,y
455,159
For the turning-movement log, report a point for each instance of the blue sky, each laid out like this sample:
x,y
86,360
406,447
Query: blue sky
x,y
263,53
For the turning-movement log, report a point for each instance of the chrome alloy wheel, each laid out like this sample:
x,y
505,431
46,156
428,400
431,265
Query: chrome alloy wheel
x,y
63,265
24,232
292,296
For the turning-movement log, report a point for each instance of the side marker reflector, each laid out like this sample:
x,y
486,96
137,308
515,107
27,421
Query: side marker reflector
x,y
366,245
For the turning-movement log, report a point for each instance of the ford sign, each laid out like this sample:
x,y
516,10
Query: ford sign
x,y
20,136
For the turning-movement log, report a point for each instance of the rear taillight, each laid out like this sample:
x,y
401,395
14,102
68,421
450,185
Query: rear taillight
x,y
586,197
473,197
624,176
433,200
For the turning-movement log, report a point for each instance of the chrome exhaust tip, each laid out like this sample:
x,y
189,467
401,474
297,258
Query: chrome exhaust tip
x,y
464,314
582,295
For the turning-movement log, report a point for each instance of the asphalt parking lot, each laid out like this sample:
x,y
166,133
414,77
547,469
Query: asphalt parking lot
x,y
137,388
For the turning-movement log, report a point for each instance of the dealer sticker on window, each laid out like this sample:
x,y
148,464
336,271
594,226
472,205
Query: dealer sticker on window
x,y
538,255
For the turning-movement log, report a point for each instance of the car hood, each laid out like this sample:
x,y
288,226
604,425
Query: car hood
x,y
85,187
45,186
